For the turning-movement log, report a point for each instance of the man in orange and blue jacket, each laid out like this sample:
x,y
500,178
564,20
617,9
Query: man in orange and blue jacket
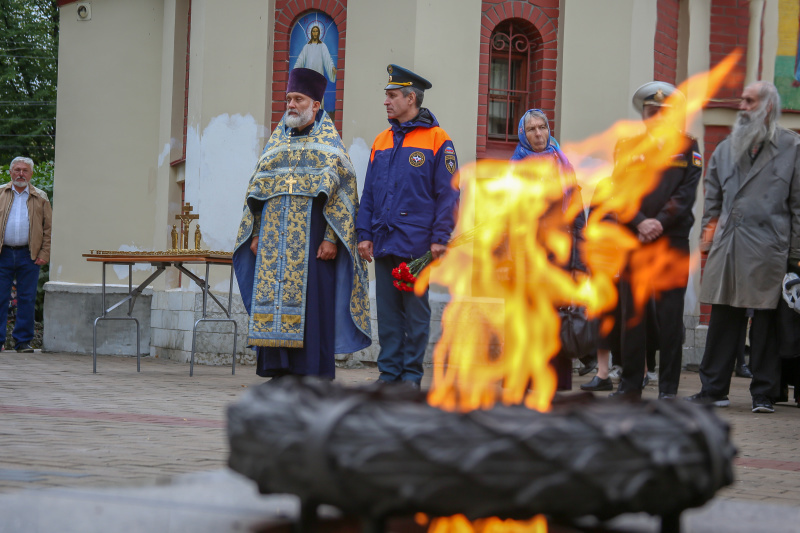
x,y
407,209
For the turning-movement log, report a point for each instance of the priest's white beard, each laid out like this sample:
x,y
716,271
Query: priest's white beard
x,y
298,119
748,130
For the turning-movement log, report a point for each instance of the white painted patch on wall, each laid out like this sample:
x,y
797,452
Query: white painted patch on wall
x,y
121,270
359,154
217,173
164,152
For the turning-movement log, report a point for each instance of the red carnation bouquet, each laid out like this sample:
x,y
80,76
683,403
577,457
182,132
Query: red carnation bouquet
x,y
403,278
406,274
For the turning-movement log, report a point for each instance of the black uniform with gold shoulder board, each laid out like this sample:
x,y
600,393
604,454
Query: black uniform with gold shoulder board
x,y
672,200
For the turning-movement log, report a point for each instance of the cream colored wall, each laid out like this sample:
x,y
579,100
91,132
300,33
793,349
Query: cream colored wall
x,y
770,39
449,56
230,91
373,41
170,133
697,61
699,56
120,124
106,149
423,37
606,53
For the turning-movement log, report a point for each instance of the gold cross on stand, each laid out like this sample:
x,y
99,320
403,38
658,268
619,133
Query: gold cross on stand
x,y
291,181
186,218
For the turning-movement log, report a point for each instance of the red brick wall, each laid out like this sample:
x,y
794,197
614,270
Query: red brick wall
x,y
544,17
713,136
665,48
730,21
286,14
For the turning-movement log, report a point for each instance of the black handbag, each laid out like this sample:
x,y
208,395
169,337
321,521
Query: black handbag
x,y
579,335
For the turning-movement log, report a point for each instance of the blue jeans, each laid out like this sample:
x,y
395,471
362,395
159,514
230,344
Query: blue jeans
x,y
18,264
404,324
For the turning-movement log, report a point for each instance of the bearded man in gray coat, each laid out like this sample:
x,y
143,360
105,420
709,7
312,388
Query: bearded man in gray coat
x,y
751,229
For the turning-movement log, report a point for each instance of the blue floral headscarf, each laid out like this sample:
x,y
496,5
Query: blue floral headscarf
x,y
524,148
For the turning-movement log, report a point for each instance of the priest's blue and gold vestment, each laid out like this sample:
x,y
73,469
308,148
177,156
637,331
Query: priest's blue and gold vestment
x,y
303,187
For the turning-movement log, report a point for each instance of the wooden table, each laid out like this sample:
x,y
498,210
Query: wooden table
x,y
162,260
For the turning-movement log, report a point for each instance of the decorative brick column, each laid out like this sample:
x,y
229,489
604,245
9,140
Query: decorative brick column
x,y
544,17
730,22
286,14
665,48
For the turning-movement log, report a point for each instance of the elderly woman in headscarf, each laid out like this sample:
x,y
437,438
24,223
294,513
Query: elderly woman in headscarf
x,y
535,138
535,141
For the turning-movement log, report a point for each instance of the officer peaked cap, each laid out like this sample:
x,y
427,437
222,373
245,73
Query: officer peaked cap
x,y
400,77
654,93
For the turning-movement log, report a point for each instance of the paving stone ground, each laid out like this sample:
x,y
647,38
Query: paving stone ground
x,y
61,426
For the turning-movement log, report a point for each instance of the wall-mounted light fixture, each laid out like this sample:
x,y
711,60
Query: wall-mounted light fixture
x,y
84,11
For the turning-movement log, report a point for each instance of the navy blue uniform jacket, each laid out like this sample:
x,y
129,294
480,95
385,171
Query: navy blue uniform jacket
x,y
409,200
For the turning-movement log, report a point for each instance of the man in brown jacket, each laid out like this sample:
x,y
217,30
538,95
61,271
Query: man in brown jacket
x,y
751,229
24,247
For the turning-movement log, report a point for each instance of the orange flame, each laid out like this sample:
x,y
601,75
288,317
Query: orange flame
x,y
459,523
501,328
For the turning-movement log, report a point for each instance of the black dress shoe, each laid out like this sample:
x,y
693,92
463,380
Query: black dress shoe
x,y
741,371
666,396
626,395
598,384
587,367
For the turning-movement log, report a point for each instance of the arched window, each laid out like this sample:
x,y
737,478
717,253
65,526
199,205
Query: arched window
x,y
515,75
509,69
514,80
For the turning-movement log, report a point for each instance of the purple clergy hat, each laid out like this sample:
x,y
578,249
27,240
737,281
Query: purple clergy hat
x,y
308,82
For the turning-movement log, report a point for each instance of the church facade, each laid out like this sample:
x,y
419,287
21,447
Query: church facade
x,y
166,102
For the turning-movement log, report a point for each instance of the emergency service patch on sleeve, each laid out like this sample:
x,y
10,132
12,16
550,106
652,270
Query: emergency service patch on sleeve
x,y
450,163
416,159
697,159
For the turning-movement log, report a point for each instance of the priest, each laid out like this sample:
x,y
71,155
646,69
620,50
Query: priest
x,y
299,273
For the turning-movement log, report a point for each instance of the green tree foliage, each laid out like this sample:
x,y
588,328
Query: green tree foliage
x,y
28,75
